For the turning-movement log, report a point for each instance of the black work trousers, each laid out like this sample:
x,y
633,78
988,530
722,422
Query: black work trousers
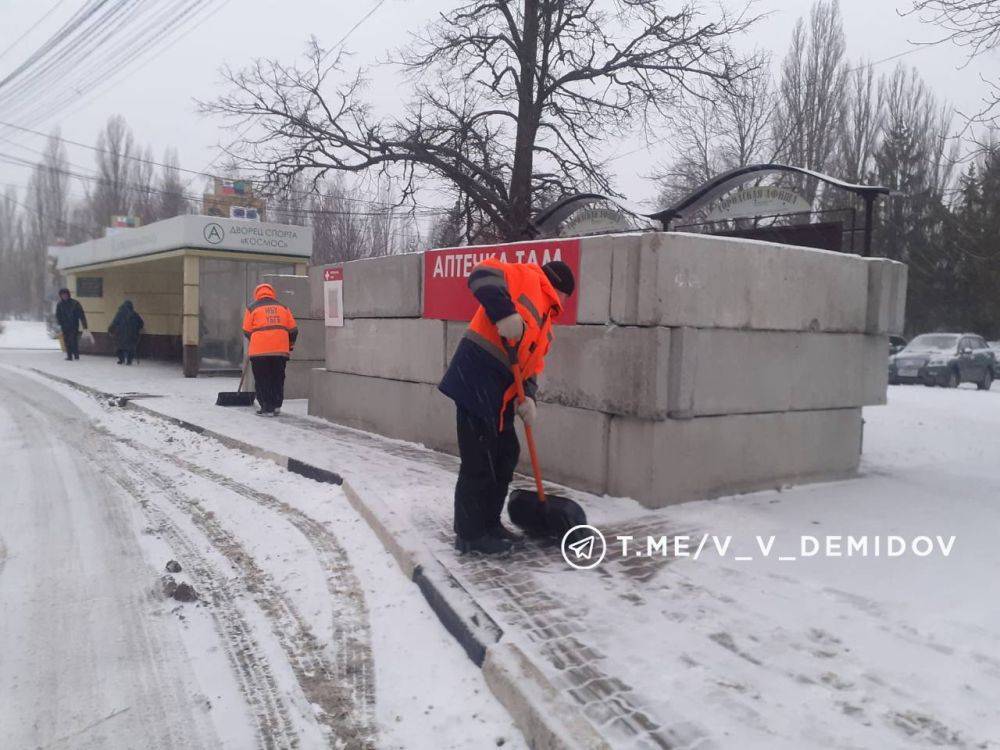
x,y
72,340
269,381
489,458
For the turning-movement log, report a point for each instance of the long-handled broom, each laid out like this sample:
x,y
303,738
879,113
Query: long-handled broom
x,y
538,513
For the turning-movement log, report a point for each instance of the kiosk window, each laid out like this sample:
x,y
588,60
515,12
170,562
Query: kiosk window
x,y
90,286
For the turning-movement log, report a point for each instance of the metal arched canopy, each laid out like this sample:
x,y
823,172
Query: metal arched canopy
x,y
717,186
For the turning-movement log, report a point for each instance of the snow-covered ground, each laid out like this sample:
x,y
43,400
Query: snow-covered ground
x,y
25,334
307,634
823,651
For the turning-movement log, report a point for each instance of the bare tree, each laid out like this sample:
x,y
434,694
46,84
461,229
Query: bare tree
x,y
171,200
975,25
112,191
860,126
144,192
812,91
509,99
728,125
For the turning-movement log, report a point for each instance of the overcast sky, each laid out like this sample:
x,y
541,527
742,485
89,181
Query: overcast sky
x,y
156,97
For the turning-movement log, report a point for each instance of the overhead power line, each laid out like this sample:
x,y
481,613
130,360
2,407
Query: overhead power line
x,y
31,28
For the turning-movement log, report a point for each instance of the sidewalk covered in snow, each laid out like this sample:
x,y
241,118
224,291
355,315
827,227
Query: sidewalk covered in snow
x,y
760,637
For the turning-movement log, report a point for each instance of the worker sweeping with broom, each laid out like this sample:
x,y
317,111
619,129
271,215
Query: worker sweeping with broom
x,y
509,336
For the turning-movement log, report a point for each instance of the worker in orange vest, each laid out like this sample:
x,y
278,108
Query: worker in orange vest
x,y
518,302
271,330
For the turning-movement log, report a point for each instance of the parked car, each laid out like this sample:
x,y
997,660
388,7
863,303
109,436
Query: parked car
x,y
896,344
945,359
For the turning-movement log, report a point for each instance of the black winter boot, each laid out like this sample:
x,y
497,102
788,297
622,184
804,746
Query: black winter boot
x,y
487,544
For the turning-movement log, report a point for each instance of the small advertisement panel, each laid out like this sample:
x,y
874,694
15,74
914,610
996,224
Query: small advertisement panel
x,y
333,296
446,291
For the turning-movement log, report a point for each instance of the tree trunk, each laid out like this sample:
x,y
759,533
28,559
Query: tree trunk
x,y
527,127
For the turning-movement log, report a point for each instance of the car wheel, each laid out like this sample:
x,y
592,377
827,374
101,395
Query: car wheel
x,y
986,382
953,379
930,383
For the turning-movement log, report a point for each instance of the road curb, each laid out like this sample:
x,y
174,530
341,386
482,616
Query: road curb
x,y
547,721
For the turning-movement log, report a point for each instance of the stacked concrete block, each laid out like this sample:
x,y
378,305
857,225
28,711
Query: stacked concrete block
x,y
410,349
295,293
719,371
698,366
671,461
416,412
886,311
387,287
676,279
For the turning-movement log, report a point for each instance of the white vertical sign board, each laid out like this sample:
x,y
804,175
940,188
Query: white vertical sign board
x,y
333,296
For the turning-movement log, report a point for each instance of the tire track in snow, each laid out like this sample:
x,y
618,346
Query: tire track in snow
x,y
344,688
274,728
257,683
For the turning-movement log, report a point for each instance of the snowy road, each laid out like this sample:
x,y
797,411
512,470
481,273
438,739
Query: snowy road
x,y
88,662
296,600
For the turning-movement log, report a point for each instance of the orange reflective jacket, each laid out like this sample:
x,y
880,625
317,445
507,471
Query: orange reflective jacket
x,y
536,301
269,325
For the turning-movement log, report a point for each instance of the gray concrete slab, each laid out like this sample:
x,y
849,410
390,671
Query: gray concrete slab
x,y
311,342
880,295
897,315
594,284
724,371
416,412
409,349
675,279
293,292
316,309
389,287
613,369
672,461
297,377
572,446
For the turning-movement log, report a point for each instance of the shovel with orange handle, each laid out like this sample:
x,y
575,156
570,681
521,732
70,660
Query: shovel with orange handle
x,y
537,513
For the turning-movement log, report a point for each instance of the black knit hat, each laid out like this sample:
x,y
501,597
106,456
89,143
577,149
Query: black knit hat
x,y
561,276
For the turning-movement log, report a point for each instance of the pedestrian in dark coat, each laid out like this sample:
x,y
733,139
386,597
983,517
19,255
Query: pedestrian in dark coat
x,y
125,330
70,315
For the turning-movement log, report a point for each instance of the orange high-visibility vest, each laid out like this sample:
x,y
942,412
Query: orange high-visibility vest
x,y
269,324
537,302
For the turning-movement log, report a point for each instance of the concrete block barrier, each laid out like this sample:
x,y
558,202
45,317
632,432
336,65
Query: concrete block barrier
x,y
311,342
410,349
572,446
594,284
298,375
316,304
416,412
880,296
293,292
897,314
389,287
612,369
724,371
672,461
675,279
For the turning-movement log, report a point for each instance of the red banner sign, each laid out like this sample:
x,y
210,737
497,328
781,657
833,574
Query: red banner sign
x,y
446,290
333,274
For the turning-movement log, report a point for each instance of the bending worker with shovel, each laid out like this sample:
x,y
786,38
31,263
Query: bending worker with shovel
x,y
518,302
